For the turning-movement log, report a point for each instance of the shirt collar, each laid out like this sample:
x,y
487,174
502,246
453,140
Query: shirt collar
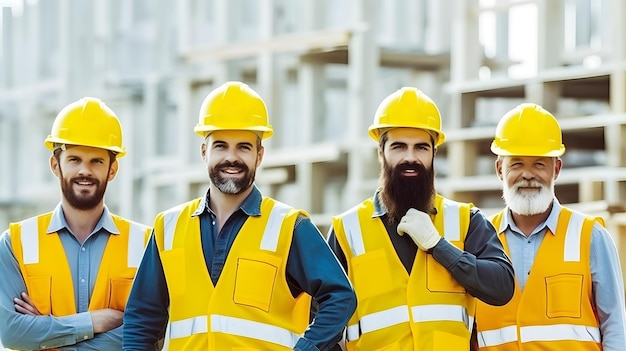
x,y
58,222
250,206
379,207
550,222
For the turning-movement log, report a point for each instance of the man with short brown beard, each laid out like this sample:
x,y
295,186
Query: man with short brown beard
x,y
416,291
66,274
569,291
234,269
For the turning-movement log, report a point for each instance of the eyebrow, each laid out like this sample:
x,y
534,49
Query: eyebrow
x,y
424,143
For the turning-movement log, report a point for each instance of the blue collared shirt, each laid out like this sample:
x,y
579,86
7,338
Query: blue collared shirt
x,y
311,268
73,332
606,274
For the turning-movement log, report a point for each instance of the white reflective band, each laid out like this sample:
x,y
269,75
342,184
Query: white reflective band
x,y
397,315
378,320
136,244
170,218
572,238
254,330
188,327
431,313
559,332
451,215
497,336
353,332
272,229
30,240
384,319
352,228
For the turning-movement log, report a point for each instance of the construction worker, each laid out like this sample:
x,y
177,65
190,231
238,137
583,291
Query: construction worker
x,y
417,260
569,291
66,274
235,270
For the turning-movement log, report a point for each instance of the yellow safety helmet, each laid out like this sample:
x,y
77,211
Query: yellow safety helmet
x,y
528,130
411,108
233,106
87,122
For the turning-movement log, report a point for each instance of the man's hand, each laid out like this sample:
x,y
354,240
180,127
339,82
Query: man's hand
x,y
420,228
106,319
25,305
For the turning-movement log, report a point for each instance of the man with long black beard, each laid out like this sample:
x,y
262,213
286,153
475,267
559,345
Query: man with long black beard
x,y
569,288
66,274
233,269
417,260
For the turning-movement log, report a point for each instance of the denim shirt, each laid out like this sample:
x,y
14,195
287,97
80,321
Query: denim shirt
x,y
311,268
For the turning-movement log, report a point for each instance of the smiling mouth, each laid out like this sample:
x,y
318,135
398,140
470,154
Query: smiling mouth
x,y
231,171
410,173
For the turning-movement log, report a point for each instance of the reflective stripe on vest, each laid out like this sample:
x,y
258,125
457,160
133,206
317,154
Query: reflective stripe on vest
x,y
187,327
572,238
557,332
272,228
396,315
198,324
254,330
352,227
170,218
30,242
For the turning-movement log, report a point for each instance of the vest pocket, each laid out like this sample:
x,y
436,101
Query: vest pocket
x,y
564,295
254,283
367,266
438,279
120,289
39,291
175,272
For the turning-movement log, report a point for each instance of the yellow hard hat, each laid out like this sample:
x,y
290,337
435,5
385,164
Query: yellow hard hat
x,y
528,130
87,122
233,106
407,107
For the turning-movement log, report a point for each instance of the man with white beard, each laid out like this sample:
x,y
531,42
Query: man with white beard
x,y
569,289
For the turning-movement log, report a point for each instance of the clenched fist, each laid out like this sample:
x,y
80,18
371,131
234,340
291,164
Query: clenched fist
x,y
420,228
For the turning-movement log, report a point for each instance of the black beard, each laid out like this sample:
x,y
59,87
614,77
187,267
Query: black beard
x,y
399,193
81,202
228,185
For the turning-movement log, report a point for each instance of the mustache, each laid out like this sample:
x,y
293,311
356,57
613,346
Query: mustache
x,y
411,166
85,179
530,183
233,164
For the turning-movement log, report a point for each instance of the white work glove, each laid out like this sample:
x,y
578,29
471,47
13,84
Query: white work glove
x,y
420,228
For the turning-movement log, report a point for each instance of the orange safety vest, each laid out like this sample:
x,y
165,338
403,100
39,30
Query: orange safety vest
x,y
556,310
47,275
426,310
251,307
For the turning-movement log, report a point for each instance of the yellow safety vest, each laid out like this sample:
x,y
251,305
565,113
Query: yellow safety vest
x,y
555,311
426,310
47,274
251,307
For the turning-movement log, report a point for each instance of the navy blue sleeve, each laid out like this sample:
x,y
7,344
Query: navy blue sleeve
x,y
314,269
483,269
145,317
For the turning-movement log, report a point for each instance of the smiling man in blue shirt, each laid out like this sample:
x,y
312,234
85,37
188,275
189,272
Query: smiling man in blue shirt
x,y
234,269
66,274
